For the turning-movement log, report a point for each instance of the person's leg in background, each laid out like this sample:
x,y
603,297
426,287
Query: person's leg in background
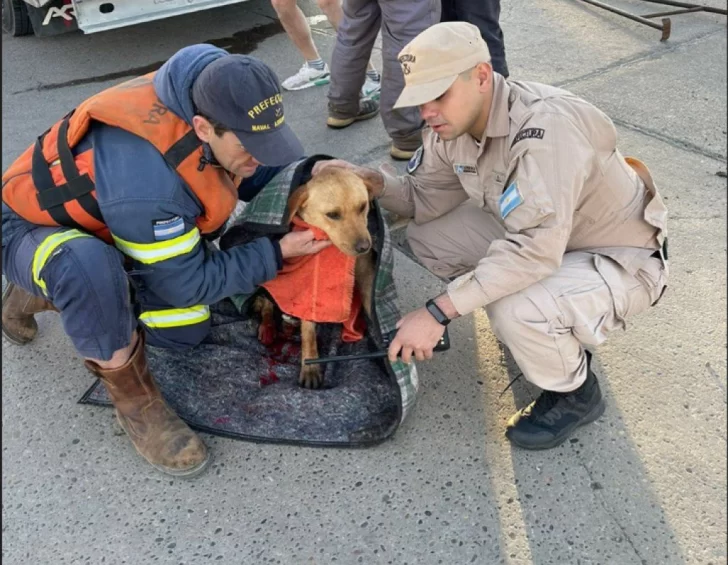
x,y
335,13
401,23
354,43
84,279
314,71
485,15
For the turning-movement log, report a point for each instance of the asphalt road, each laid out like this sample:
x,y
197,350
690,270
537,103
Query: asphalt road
x,y
645,485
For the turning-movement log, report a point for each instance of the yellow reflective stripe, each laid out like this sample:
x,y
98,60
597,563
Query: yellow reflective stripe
x,y
175,317
45,250
161,250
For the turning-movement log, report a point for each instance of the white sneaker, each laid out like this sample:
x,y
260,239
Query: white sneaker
x,y
307,77
371,89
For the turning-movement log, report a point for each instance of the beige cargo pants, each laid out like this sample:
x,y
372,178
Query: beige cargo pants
x,y
546,325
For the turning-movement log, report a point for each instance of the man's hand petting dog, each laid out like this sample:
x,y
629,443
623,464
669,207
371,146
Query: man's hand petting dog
x,y
297,243
417,333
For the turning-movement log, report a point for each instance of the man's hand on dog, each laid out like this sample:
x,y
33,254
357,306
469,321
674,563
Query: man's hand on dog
x,y
297,243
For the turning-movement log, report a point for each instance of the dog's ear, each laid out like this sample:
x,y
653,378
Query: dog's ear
x,y
296,201
370,187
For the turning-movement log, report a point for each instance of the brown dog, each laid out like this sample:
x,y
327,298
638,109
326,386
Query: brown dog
x,y
337,202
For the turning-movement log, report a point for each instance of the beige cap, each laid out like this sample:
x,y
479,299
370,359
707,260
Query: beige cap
x,y
433,60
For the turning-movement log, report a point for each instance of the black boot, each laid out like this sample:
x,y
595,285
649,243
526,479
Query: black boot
x,y
549,420
337,119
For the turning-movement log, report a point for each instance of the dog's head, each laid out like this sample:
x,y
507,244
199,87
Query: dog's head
x,y
337,202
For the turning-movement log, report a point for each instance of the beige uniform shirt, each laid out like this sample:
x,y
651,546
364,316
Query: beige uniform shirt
x,y
549,171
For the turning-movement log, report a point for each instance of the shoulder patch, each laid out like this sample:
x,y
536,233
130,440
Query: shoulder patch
x,y
168,229
528,133
509,200
416,160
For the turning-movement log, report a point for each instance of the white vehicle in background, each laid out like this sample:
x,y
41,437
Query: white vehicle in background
x,y
53,17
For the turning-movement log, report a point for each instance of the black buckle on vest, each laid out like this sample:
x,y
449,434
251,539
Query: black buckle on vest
x,y
52,197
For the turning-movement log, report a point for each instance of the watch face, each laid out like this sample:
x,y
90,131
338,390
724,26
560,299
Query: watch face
x,y
438,314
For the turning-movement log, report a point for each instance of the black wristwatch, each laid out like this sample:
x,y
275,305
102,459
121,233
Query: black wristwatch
x,y
438,314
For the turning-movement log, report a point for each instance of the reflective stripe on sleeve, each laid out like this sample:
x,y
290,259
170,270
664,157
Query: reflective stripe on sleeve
x,y
150,253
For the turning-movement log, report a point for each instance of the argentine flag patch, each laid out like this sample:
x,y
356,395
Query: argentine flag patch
x,y
415,160
510,200
168,229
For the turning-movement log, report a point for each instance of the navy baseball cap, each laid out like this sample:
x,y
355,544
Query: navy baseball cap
x,y
243,94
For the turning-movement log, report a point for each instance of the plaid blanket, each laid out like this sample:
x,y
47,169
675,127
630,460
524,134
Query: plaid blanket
x,y
267,213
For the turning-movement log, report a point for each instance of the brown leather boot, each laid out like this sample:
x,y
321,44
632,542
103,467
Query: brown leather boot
x,y
158,434
19,306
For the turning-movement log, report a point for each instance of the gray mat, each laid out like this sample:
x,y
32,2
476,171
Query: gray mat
x,y
232,385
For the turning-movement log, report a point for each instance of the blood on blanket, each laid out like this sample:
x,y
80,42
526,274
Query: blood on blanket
x,y
267,333
279,353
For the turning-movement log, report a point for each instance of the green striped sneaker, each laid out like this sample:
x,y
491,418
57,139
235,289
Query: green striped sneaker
x,y
306,77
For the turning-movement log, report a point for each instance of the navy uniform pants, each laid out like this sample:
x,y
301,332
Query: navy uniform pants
x,y
86,281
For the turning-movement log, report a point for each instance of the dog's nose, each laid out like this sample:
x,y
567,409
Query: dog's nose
x,y
362,246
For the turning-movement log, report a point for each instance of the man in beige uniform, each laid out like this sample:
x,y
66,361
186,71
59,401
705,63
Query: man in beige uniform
x,y
520,192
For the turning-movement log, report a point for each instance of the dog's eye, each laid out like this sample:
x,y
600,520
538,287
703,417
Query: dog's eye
x,y
334,215
363,208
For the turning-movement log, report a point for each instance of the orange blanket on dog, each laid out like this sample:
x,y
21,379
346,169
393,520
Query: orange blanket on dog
x,y
320,287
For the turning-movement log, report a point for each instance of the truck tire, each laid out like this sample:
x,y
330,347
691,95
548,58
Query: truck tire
x,y
15,18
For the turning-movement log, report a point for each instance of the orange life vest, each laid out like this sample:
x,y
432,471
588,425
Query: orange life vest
x,y
48,186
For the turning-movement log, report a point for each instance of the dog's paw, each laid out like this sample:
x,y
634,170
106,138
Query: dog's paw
x,y
311,377
267,333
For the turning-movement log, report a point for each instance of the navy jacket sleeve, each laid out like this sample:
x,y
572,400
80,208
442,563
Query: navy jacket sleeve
x,y
151,214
